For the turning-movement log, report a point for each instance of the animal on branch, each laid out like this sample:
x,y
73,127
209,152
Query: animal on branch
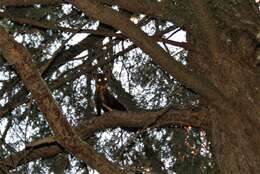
x,y
104,100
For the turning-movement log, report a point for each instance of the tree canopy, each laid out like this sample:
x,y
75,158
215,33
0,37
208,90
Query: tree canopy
x,y
188,72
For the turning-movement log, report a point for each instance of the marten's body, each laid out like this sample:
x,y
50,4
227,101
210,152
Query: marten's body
x,y
103,99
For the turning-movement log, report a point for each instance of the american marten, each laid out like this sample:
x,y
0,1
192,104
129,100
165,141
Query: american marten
x,y
103,98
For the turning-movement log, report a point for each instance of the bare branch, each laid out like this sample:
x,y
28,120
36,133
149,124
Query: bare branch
x,y
174,43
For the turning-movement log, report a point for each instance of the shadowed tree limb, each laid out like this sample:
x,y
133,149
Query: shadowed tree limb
x,y
149,45
161,10
21,96
18,56
54,26
29,2
48,147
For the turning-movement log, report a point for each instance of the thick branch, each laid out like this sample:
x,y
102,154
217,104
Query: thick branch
x,y
161,10
17,55
54,26
47,147
111,17
60,59
207,26
29,2
86,67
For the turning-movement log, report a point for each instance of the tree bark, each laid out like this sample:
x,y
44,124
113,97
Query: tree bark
x,y
18,56
235,144
235,132
28,2
223,37
48,147
221,75
150,47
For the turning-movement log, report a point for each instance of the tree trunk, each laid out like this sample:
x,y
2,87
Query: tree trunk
x,y
236,145
223,39
224,53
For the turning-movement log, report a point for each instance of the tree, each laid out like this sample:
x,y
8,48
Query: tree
x,y
196,108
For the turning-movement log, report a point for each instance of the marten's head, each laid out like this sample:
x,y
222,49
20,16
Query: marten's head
x,y
101,80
